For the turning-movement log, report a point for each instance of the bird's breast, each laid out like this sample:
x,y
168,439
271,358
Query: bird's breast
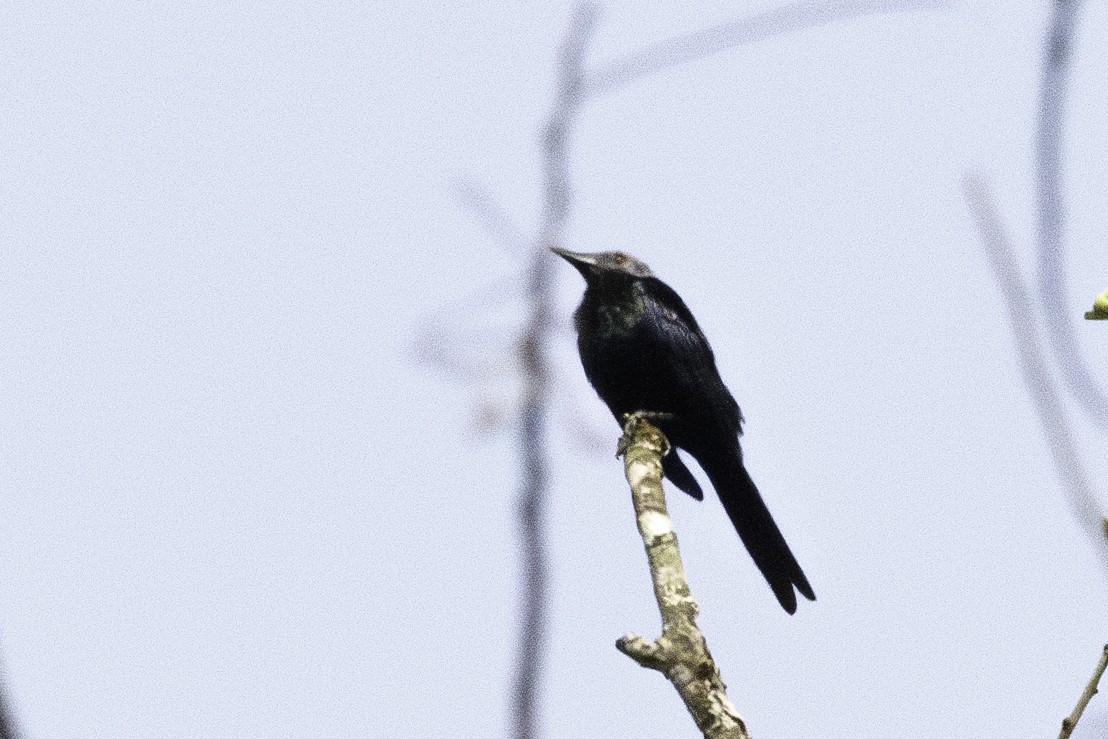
x,y
623,362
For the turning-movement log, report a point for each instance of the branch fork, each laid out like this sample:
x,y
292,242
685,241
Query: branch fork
x,y
681,652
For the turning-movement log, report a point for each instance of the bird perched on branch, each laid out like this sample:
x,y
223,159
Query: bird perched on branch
x,y
643,351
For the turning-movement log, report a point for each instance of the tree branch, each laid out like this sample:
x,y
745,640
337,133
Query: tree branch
x,y
1053,291
1070,722
497,221
681,652
532,437
707,41
1036,376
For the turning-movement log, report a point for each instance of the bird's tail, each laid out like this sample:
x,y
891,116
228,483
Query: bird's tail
x,y
758,531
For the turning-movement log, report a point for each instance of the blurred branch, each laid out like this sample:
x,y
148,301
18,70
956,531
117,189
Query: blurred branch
x,y
532,441
1053,291
1100,308
1036,375
680,653
707,41
451,341
495,219
1070,722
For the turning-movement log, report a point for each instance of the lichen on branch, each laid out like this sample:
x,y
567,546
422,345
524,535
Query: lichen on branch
x,y
681,652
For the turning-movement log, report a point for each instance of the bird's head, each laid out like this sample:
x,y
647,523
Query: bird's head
x,y
598,267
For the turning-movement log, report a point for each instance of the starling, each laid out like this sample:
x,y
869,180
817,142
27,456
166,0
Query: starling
x,y
642,350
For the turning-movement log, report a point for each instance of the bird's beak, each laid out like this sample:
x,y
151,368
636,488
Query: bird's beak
x,y
583,262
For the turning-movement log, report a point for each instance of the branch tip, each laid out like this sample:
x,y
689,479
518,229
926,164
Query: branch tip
x,y
1069,723
647,654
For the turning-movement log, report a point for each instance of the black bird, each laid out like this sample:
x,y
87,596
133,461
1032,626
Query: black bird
x,y
643,351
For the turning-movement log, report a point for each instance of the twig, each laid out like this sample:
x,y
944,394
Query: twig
x,y
532,439
680,653
449,342
1053,292
707,41
1070,722
1100,308
1036,376
490,214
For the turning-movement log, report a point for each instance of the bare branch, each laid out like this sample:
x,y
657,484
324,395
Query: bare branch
x,y
450,340
532,440
1053,291
681,652
479,199
705,42
1036,376
1070,722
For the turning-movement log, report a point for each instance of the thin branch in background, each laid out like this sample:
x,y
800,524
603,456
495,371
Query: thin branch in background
x,y
489,214
1070,722
532,438
681,652
1036,375
1053,291
450,340
705,42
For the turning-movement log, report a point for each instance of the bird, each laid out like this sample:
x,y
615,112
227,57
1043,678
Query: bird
x,y
643,351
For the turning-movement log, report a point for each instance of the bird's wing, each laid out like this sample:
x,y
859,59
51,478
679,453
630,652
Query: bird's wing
x,y
691,363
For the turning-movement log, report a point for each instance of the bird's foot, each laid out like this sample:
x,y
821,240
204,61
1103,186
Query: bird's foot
x,y
631,422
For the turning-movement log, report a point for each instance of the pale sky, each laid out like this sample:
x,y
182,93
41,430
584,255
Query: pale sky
x,y
235,500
